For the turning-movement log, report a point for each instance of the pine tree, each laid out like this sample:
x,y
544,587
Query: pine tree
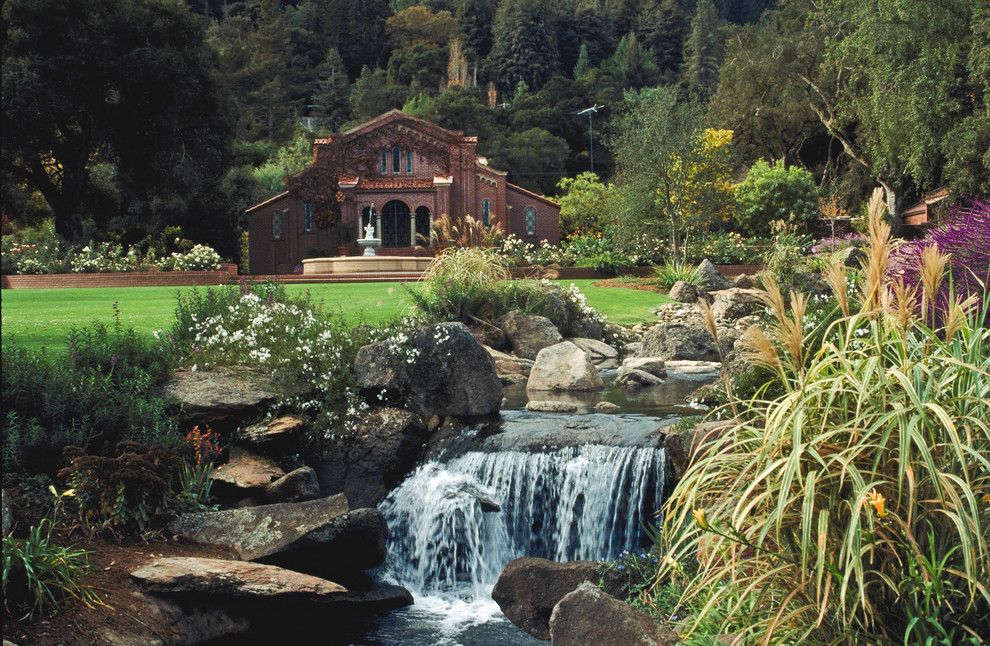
x,y
662,26
703,52
525,46
331,96
630,64
583,62
475,18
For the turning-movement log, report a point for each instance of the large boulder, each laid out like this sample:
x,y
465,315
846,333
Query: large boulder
x,y
653,365
601,354
367,462
685,292
689,340
488,334
590,616
224,399
245,471
528,334
712,279
508,365
295,486
682,444
318,537
440,370
735,303
564,366
586,327
529,588
221,577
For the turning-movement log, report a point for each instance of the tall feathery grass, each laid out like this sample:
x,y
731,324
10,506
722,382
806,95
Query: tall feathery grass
x,y
855,507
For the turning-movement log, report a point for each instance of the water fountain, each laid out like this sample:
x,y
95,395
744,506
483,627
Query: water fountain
x,y
370,241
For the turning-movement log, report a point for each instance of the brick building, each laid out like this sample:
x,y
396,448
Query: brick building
x,y
400,173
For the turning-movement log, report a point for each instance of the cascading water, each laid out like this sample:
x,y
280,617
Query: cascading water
x,y
449,543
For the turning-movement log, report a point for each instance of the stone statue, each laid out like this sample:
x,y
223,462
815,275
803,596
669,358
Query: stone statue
x,y
369,232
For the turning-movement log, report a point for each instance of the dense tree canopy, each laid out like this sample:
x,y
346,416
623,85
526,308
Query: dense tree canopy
x,y
122,116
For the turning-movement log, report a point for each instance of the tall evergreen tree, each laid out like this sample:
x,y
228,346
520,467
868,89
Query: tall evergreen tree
x,y
330,100
525,47
630,65
583,62
703,52
662,26
476,18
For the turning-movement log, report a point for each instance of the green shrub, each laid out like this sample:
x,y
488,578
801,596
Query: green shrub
x,y
854,507
775,192
105,389
38,574
784,259
33,250
672,271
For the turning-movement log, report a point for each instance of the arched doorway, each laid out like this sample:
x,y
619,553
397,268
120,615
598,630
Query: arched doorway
x,y
395,224
423,222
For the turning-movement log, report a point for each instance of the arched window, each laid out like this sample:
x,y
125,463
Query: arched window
x,y
408,162
486,213
384,162
307,217
530,221
396,160
277,225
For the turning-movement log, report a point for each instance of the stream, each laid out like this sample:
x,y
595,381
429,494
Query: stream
x,y
557,486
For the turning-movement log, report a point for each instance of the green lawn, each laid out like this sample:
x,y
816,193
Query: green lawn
x,y
42,317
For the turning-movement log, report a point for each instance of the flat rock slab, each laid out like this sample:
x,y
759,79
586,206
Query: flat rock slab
x,y
245,470
256,532
223,398
275,430
549,406
190,575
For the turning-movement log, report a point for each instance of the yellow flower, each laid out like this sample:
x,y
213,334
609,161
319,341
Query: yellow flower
x,y
699,517
986,498
877,501
51,488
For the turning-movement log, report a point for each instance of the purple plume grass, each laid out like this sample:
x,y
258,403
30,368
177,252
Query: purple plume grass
x,y
966,238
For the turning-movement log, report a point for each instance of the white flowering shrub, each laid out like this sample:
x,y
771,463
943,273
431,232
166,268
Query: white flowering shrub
x,y
199,258
308,351
104,257
33,250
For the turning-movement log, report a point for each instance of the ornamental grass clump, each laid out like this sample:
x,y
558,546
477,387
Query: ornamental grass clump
x,y
854,507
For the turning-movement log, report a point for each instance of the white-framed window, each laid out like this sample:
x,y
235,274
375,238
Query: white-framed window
x,y
277,225
409,162
384,162
486,212
530,221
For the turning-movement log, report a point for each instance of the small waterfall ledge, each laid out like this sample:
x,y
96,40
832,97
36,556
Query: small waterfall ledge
x,y
576,502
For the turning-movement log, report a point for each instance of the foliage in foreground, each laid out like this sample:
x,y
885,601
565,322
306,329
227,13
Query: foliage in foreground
x,y
38,574
855,507
105,389
673,271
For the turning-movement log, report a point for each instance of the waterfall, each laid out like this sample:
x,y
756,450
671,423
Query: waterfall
x,y
584,502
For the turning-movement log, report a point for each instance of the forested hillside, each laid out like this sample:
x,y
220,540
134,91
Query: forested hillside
x,y
129,115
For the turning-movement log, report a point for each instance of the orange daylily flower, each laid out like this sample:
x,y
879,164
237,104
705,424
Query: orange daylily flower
x,y
877,501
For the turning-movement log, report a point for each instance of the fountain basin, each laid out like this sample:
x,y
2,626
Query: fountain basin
x,y
366,264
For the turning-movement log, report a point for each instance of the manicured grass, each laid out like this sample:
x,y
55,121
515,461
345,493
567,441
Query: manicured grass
x,y
42,317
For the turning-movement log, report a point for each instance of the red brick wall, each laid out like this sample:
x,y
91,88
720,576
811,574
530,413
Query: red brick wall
x,y
124,279
547,217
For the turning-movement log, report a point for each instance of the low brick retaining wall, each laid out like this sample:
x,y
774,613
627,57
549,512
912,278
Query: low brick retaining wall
x,y
118,279
228,274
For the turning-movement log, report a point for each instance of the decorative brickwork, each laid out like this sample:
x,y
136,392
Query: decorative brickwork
x,y
392,158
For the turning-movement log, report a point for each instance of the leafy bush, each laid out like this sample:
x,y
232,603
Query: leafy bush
x,y
965,239
672,271
727,248
460,283
34,250
99,257
784,259
199,258
106,388
583,204
775,192
852,508
306,349
39,574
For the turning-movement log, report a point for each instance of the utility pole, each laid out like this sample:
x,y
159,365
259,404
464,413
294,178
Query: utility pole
x,y
591,136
